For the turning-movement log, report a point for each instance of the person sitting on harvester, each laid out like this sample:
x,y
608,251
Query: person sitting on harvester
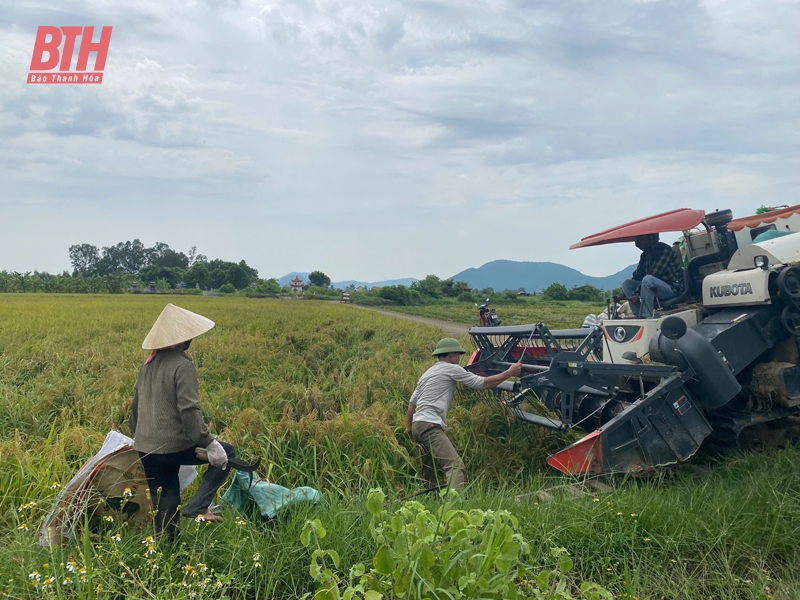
x,y
167,423
426,418
658,275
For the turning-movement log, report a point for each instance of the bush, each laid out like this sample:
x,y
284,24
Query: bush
x,y
508,296
322,293
265,289
227,288
585,293
369,299
465,297
400,295
451,553
556,291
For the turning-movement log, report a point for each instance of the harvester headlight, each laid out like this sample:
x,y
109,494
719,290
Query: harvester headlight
x,y
761,261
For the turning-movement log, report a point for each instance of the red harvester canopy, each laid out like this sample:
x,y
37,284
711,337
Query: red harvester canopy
x,y
680,219
767,217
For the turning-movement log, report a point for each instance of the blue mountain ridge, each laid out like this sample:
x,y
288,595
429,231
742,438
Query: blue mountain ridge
x,y
535,276
502,275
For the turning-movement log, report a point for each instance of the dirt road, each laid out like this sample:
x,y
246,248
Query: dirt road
x,y
446,326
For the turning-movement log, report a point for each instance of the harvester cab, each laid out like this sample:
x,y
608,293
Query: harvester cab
x,y
720,361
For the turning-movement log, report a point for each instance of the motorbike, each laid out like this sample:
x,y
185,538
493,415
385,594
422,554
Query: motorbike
x,y
488,315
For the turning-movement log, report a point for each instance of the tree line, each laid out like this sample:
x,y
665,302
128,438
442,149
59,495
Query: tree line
x,y
159,262
131,265
432,289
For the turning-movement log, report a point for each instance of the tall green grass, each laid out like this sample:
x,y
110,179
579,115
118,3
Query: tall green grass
x,y
556,315
730,534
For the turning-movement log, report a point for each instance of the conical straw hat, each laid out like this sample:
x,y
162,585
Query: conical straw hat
x,y
174,326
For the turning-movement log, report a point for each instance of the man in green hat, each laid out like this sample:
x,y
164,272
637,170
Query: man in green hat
x,y
426,418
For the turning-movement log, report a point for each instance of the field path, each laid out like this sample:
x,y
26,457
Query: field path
x,y
446,326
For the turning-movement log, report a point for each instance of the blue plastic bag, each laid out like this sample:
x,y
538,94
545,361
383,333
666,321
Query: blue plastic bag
x,y
270,498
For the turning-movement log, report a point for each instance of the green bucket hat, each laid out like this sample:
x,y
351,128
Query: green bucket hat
x,y
448,345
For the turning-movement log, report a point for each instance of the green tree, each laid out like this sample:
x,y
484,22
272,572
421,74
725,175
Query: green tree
x,y
116,282
319,278
251,272
430,287
128,257
556,291
194,257
198,275
171,258
171,274
452,289
219,277
587,293
133,257
84,259
268,287
399,294
238,276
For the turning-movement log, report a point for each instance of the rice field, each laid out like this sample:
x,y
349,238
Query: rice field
x,y
557,315
319,391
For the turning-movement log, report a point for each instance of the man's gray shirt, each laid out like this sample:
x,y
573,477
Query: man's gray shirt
x,y
435,390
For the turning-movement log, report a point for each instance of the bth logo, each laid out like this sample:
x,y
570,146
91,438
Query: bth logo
x,y
46,55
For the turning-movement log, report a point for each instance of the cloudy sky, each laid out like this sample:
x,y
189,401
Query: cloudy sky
x,y
376,140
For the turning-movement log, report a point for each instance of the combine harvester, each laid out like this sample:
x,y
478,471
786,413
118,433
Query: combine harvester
x,y
718,363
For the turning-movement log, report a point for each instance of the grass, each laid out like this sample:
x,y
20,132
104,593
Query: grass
x,y
557,315
319,390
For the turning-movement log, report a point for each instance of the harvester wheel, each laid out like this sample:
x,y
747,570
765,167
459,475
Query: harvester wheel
x,y
719,217
790,317
789,282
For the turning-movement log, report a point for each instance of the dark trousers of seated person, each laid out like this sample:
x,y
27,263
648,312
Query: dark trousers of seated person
x,y
162,472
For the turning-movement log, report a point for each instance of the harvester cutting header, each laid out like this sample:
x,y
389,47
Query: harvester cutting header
x,y
713,358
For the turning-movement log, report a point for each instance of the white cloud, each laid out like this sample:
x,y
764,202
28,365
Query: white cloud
x,y
375,131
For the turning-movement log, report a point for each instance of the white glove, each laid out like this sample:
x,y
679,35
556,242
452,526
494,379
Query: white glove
x,y
216,455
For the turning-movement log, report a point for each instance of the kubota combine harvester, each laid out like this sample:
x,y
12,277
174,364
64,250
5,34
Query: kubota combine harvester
x,y
720,362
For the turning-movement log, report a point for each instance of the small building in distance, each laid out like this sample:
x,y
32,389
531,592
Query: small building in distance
x,y
297,286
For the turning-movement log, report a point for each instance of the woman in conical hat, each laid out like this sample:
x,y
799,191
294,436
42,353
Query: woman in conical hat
x,y
167,422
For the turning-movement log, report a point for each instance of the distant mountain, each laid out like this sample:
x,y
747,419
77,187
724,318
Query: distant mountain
x,y
535,276
343,284
501,275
